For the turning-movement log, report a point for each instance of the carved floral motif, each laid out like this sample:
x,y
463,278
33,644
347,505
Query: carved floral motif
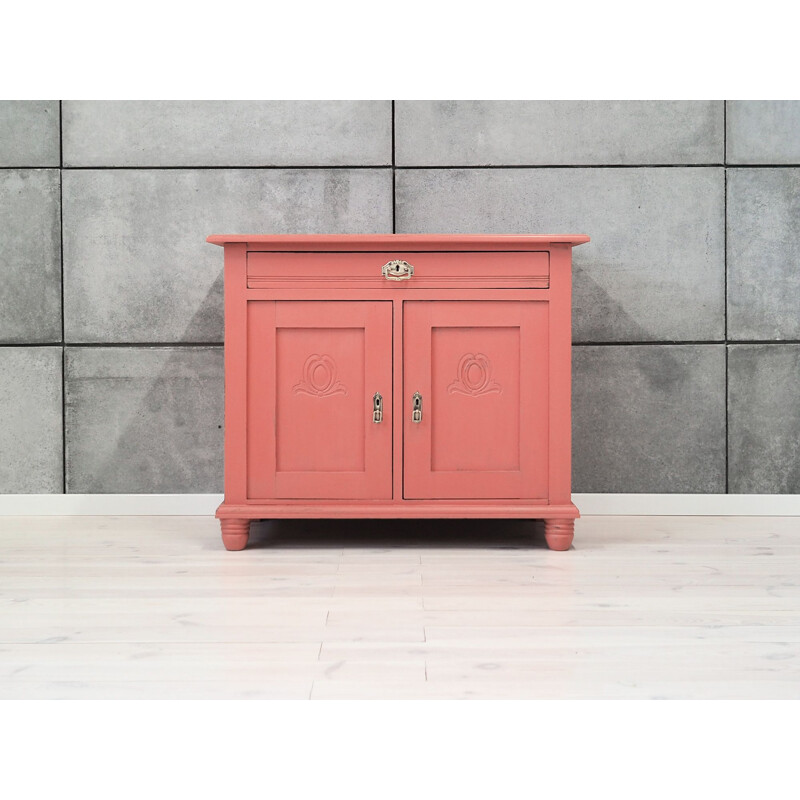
x,y
319,377
474,376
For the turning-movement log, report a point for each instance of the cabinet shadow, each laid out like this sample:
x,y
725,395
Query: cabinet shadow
x,y
479,534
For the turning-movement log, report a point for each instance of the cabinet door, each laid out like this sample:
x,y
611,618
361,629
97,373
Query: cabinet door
x,y
481,370
312,372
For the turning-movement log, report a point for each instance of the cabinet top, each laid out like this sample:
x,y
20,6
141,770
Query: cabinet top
x,y
396,241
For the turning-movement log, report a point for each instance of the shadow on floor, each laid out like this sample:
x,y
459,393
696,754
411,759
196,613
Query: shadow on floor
x,y
493,534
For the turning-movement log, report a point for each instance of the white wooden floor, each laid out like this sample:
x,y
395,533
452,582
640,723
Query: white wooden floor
x,y
641,607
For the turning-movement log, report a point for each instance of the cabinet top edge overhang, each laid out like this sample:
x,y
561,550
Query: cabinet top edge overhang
x,y
394,241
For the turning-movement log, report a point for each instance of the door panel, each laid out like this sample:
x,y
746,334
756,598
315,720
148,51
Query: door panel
x,y
481,368
313,369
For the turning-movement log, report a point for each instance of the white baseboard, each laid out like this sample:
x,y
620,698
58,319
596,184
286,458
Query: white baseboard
x,y
760,505
650,505
112,505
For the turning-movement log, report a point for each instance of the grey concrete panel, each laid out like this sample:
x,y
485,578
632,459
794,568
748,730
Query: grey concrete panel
x,y
763,253
31,430
30,256
531,132
127,133
144,420
763,132
764,418
29,133
654,269
137,267
649,418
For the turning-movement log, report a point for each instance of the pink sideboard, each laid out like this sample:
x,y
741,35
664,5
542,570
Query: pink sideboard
x,y
397,375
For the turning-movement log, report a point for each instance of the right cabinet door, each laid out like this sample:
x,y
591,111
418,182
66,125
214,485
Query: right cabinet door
x,y
479,371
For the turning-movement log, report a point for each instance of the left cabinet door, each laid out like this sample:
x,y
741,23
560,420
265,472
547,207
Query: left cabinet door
x,y
313,369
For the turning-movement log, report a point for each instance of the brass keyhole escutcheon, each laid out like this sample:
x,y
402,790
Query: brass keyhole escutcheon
x,y
377,408
416,407
397,271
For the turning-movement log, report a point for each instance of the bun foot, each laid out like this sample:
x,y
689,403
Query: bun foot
x,y
235,533
559,533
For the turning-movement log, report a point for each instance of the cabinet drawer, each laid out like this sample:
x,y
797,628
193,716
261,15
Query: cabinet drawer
x,y
508,269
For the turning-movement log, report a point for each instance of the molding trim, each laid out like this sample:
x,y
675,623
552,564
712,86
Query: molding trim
x,y
655,505
115,505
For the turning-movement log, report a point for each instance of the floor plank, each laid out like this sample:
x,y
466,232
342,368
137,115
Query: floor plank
x,y
641,607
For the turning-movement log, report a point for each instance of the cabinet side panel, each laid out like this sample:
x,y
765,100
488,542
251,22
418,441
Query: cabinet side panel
x,y
560,374
235,373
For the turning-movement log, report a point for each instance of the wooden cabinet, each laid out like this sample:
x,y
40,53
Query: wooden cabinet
x,y
397,375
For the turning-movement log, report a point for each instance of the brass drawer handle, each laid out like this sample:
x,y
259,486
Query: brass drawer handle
x,y
416,407
377,408
397,271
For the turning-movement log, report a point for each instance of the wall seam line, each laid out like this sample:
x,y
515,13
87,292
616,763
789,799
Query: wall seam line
x,y
725,285
63,323
394,176
410,167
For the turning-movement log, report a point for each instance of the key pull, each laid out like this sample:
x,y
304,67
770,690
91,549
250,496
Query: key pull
x,y
377,408
416,407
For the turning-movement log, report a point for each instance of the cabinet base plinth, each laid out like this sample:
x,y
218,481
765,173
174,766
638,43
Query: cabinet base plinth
x,y
559,533
235,533
557,521
412,509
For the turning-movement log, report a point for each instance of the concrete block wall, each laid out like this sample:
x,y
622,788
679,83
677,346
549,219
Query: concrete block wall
x,y
686,309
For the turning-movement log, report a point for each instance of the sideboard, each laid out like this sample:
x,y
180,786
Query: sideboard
x,y
397,375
